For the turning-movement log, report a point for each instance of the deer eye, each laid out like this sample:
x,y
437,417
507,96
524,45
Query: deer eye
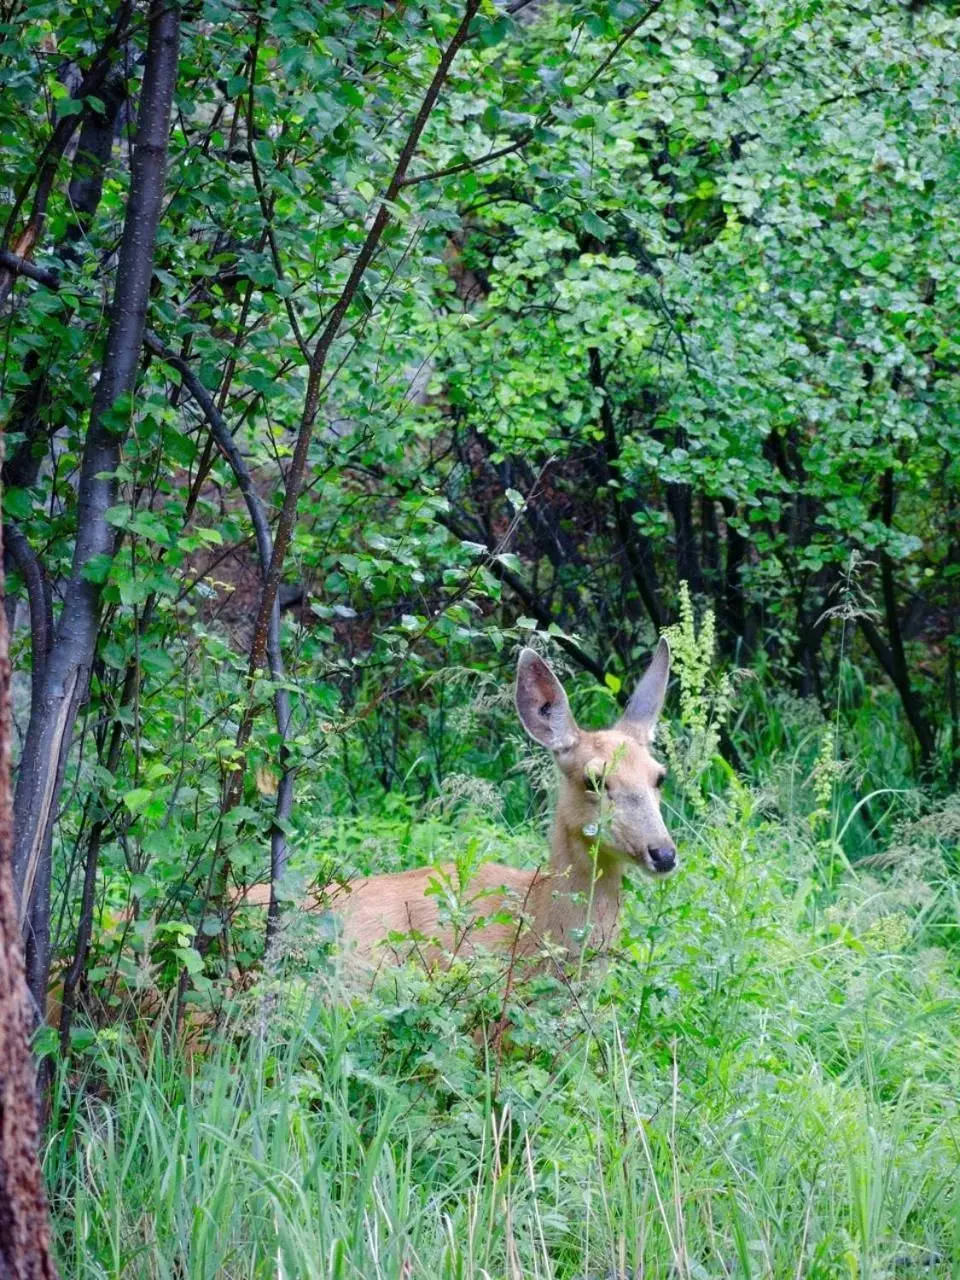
x,y
661,778
596,782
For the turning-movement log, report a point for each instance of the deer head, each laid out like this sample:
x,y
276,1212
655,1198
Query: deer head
x,y
610,783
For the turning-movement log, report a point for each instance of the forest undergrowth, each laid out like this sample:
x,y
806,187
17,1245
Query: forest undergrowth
x,y
762,1081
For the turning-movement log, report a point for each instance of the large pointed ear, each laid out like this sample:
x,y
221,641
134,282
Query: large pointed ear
x,y
643,709
542,704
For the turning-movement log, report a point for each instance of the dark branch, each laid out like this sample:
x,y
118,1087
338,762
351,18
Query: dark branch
x,y
19,266
531,601
67,673
49,160
549,116
39,597
464,165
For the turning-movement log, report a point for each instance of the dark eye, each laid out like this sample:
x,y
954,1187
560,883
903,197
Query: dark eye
x,y
596,784
661,778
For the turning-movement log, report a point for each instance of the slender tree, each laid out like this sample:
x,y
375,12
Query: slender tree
x,y
67,668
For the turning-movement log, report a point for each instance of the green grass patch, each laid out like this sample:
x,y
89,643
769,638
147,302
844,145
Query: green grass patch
x,y
762,1083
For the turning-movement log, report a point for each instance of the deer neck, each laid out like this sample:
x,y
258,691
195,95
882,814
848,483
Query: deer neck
x,y
578,891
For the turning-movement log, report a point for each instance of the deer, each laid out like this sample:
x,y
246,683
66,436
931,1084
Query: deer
x,y
607,818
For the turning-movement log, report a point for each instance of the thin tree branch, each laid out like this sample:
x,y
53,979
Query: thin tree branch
x,y
315,381
71,979
464,165
20,266
49,160
549,116
39,598
265,211
225,442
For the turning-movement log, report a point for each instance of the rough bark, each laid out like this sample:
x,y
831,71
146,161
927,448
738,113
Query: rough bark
x,y
24,1232
68,666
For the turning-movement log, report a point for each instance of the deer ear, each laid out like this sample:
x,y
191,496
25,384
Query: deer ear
x,y
542,704
643,709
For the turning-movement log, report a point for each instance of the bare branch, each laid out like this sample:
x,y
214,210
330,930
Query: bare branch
x,y
464,165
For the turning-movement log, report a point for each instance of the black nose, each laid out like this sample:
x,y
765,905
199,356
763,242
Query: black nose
x,y
663,857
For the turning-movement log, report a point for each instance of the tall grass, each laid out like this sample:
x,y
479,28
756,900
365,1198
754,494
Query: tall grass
x,y
763,1083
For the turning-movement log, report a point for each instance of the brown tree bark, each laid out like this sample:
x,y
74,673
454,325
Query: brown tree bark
x,y
24,1231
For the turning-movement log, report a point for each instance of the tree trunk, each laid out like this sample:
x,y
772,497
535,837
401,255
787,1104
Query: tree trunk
x,y
734,607
67,672
633,544
680,506
899,667
24,1233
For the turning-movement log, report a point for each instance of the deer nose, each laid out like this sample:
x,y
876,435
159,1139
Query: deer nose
x,y
662,856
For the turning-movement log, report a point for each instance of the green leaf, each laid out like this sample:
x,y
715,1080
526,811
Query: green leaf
x,y
97,568
596,226
138,799
17,503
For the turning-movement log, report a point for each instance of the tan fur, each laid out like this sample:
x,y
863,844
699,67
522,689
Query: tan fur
x,y
607,816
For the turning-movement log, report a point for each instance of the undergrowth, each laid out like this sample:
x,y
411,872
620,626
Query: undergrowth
x,y
759,1084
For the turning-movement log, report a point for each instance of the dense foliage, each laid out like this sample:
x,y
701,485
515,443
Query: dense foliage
x,y
498,324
